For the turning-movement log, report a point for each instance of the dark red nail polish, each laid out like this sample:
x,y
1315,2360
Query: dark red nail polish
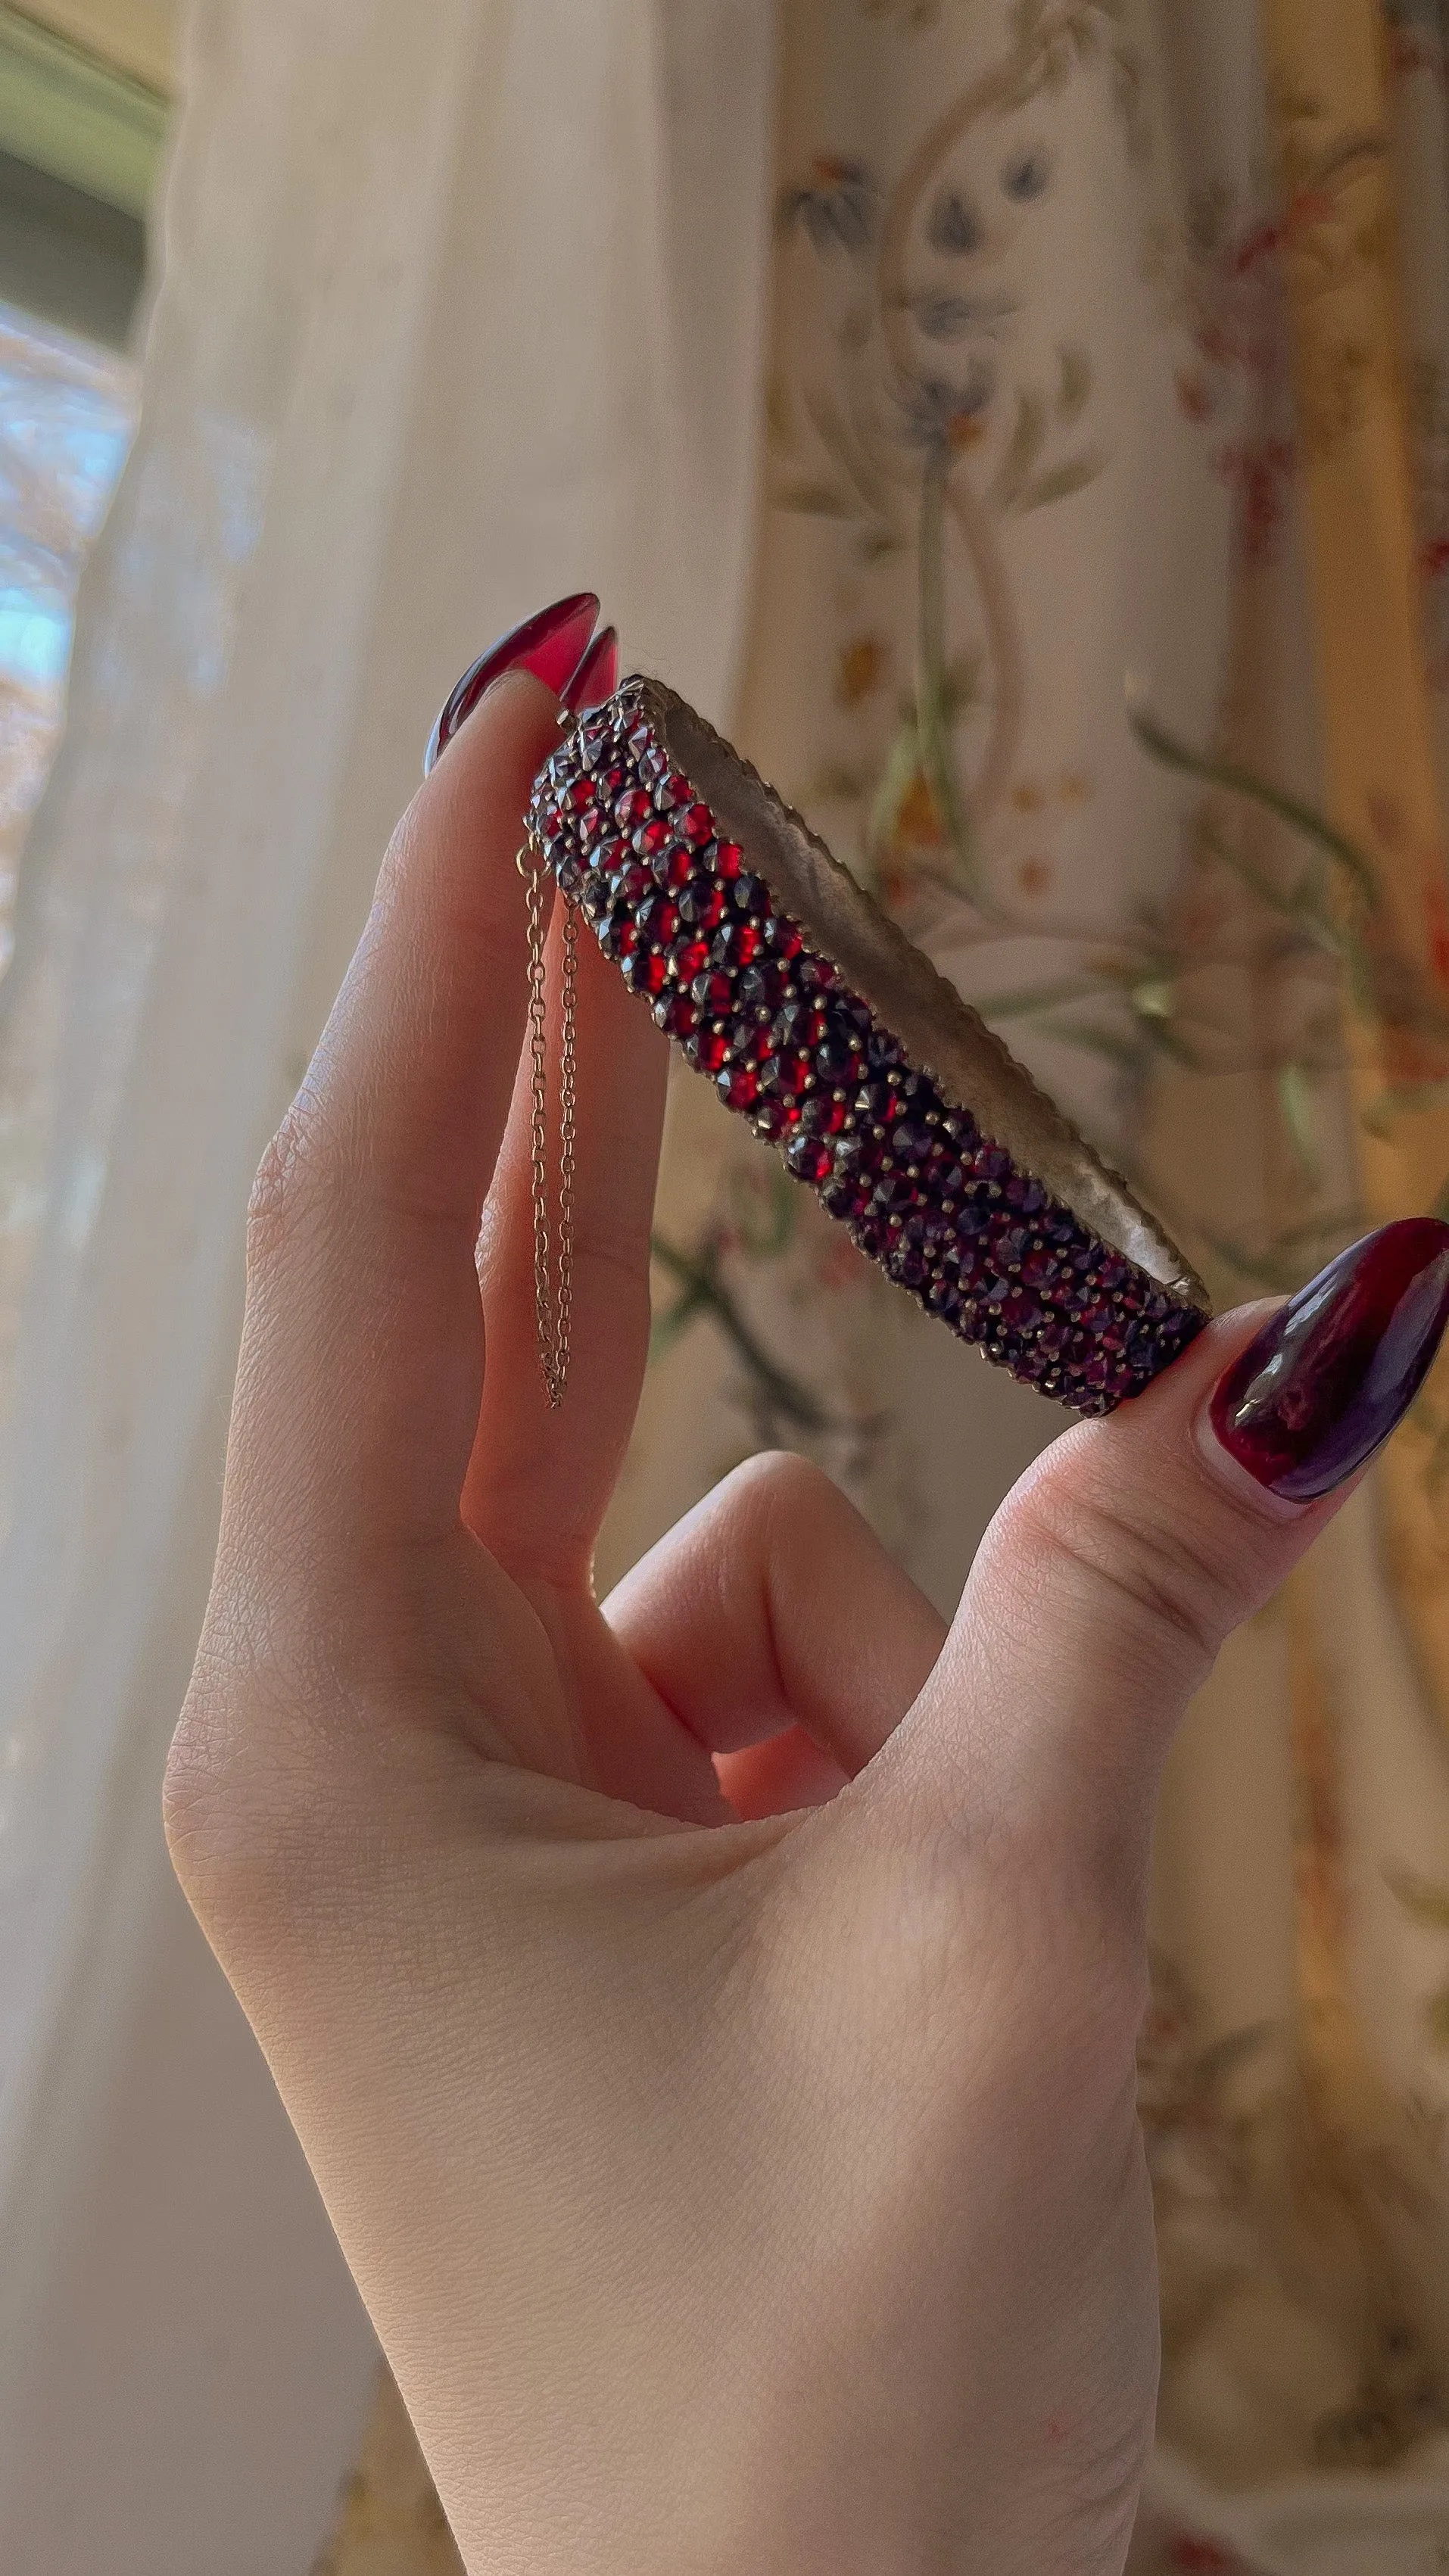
x,y
1336,1370
597,676
550,644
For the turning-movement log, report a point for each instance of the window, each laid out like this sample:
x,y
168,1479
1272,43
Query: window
x,y
66,413
80,141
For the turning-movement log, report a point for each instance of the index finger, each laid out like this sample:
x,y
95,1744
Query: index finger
x,y
362,1356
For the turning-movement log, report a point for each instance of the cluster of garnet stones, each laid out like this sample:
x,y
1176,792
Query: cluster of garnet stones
x,y
942,1208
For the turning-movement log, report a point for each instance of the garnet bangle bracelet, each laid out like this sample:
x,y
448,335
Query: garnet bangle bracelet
x,y
821,1024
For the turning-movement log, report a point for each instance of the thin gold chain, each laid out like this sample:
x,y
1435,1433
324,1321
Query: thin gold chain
x,y
553,1249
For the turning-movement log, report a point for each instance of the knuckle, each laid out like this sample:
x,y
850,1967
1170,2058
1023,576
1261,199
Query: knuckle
x,y
244,1807
773,1469
287,1182
774,1487
791,1490
196,1808
1169,1587
212,1831
792,1482
207,1800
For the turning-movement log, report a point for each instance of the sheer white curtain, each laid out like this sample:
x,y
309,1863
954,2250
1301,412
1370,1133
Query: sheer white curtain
x,y
459,309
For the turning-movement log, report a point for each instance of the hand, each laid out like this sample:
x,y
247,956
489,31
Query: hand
x,y
710,2016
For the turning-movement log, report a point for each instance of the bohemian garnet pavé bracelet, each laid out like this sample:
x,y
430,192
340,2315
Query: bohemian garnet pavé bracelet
x,y
890,1098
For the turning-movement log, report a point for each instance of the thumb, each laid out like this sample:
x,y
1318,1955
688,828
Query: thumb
x,y
1122,1560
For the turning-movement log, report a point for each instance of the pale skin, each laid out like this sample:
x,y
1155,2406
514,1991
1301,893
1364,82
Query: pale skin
x,y
709,2014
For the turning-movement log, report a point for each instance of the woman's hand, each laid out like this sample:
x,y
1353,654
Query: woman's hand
x,y
741,2176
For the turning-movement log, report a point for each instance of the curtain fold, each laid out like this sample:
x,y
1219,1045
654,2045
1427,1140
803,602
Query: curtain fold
x,y
1328,72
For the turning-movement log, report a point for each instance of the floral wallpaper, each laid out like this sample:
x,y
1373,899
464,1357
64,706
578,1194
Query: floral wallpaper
x,y
1071,305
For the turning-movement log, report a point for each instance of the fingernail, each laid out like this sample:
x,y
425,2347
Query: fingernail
x,y
597,676
550,644
1337,1368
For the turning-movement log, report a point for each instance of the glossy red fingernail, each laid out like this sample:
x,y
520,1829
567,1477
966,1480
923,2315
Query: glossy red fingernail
x,y
550,644
1336,1370
597,676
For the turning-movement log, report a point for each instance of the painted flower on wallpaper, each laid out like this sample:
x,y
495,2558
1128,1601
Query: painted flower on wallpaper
x,y
766,1242
1429,395
928,355
1264,2192
834,206
1337,249
1416,36
1225,296
955,225
946,416
861,669
1026,175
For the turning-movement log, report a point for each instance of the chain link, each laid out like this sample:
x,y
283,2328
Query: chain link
x,y
553,1252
